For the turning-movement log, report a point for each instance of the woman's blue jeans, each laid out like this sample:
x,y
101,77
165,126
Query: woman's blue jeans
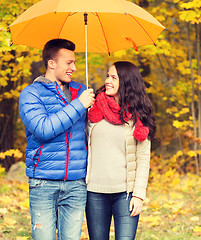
x,y
57,205
99,211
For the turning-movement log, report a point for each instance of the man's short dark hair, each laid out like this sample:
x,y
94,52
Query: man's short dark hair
x,y
52,47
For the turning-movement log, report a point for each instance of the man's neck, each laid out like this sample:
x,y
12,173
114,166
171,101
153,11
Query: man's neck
x,y
52,78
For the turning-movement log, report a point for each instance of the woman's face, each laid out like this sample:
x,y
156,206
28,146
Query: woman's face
x,y
112,83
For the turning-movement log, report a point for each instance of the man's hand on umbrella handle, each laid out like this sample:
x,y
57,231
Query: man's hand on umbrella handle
x,y
87,98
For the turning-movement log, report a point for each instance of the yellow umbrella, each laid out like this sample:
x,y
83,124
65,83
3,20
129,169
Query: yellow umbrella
x,y
101,26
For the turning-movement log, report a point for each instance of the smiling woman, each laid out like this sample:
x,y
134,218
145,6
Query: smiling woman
x,y
120,129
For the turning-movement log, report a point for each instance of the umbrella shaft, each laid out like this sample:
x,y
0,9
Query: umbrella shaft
x,y
85,19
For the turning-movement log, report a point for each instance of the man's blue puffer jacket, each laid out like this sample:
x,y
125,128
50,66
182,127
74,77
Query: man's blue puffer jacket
x,y
55,130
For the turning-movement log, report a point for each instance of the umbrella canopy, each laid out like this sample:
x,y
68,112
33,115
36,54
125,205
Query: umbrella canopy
x,y
112,25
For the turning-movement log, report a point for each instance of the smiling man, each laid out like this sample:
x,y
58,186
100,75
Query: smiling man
x,y
53,110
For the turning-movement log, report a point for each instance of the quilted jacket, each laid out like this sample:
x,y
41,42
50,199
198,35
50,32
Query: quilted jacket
x,y
55,131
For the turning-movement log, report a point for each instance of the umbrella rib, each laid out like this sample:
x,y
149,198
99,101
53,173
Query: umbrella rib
x,y
63,24
103,33
141,27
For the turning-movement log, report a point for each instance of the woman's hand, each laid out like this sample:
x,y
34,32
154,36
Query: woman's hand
x,y
135,206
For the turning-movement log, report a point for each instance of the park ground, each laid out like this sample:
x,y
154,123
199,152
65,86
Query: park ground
x,y
171,211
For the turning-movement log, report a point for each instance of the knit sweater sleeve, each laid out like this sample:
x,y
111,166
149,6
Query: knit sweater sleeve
x,y
142,168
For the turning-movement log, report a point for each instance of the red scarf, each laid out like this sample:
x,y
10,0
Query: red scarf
x,y
105,107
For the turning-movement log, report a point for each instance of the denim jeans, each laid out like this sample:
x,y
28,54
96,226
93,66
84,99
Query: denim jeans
x,y
99,211
57,205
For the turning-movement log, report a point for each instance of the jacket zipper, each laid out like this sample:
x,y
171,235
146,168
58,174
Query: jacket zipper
x,y
86,147
60,96
35,165
67,141
67,155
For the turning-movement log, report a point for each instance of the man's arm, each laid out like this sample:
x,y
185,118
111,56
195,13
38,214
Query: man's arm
x,y
46,126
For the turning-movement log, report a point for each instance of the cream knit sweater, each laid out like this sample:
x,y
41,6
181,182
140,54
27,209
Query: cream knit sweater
x,y
108,151
133,162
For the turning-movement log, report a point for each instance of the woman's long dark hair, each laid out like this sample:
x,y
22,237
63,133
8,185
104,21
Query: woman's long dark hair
x,y
133,97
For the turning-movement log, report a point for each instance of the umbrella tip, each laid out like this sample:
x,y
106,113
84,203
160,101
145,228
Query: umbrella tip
x,y
11,44
85,18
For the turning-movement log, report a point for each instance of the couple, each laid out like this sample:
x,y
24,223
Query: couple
x,y
53,110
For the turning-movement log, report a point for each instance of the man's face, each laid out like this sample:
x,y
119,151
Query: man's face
x,y
64,66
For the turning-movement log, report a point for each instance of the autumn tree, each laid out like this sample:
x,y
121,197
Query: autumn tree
x,y
175,76
191,14
15,64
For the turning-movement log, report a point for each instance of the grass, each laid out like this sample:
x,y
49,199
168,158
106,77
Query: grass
x,y
171,211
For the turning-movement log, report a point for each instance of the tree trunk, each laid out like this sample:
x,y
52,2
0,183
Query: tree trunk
x,y
8,110
144,3
193,95
7,123
199,92
199,74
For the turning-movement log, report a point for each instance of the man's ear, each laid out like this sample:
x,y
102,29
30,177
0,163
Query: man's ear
x,y
51,64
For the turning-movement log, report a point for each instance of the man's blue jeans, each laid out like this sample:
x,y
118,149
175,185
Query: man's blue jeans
x,y
99,211
57,205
